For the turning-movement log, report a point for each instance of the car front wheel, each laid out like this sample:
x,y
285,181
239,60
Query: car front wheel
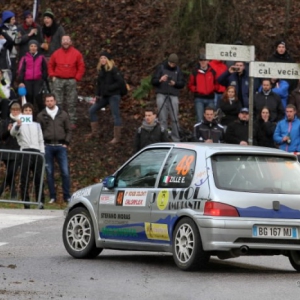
x,y
294,258
79,234
188,253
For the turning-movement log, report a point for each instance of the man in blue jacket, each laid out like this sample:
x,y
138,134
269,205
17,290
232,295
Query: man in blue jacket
x,y
287,132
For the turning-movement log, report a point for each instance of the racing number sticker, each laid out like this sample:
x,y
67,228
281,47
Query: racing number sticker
x,y
184,166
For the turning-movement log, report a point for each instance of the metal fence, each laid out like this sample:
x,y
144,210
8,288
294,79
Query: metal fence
x,y
22,177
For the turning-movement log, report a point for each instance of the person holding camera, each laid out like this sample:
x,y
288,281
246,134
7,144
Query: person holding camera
x,y
238,76
202,83
287,132
168,80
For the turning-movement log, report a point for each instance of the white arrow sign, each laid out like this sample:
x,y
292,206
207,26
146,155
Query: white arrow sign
x,y
274,70
230,52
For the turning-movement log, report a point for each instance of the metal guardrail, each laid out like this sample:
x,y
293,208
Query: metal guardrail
x,y
22,177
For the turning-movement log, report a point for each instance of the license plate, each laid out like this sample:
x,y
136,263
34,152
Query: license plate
x,y
275,232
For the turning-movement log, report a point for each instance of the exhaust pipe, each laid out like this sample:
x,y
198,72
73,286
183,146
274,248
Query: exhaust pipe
x,y
244,249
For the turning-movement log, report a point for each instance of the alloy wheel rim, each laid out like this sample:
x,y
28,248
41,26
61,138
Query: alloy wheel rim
x,y
184,243
79,232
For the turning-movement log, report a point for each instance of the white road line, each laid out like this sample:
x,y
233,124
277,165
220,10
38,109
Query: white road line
x,y
2,244
9,220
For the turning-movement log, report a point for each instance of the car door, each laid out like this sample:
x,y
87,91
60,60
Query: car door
x,y
174,192
124,211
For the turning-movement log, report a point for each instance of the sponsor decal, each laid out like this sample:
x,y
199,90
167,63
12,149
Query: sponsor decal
x,y
173,179
105,215
185,198
118,232
107,199
156,231
162,199
82,193
135,198
120,196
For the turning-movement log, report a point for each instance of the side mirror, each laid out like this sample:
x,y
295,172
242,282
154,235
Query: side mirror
x,y
109,182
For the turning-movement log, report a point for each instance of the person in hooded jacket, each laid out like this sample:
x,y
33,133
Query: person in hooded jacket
x,y
208,130
33,73
281,55
168,81
202,83
29,30
108,92
52,34
263,129
8,26
7,142
150,132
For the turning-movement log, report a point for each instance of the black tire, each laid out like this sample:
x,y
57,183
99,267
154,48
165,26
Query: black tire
x,y
79,235
188,252
294,257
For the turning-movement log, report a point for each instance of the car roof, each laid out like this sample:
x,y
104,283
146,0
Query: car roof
x,y
213,148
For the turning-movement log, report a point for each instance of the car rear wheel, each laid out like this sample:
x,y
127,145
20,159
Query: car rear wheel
x,y
79,234
188,252
294,258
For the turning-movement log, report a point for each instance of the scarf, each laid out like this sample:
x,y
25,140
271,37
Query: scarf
x,y
50,31
52,112
26,27
149,127
15,118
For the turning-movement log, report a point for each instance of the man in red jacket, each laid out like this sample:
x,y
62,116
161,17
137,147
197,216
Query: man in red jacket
x,y
66,67
202,83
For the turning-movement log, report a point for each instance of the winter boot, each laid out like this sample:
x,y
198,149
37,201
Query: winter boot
x,y
117,135
95,132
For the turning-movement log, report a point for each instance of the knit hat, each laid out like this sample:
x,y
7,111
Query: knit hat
x,y
202,57
173,58
106,54
48,13
33,42
244,109
27,13
280,43
6,15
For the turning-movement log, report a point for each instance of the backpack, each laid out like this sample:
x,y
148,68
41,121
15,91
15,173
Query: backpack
x,y
124,88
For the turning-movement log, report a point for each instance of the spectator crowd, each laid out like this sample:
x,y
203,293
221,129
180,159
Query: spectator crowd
x,y
39,72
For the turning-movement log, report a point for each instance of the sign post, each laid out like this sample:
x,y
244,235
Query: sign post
x,y
236,53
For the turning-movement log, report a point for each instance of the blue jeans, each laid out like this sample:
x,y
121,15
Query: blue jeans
x,y
200,104
114,104
60,153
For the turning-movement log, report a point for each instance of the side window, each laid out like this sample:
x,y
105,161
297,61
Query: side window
x,y
142,171
179,169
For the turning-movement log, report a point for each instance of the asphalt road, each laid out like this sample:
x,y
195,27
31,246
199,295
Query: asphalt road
x,y
34,265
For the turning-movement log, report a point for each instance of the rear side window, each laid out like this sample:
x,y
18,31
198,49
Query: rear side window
x,y
256,174
179,169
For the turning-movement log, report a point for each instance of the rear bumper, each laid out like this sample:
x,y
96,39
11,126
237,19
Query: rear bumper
x,y
232,233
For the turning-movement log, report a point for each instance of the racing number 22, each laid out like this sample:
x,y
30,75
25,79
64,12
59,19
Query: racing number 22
x,y
184,165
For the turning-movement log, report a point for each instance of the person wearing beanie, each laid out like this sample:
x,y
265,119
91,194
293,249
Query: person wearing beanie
x,y
108,93
168,81
52,34
8,26
7,142
66,68
29,30
33,73
281,55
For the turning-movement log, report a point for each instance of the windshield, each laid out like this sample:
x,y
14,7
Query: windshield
x,y
256,174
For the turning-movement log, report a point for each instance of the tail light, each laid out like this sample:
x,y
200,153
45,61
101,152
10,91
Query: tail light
x,y
218,209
